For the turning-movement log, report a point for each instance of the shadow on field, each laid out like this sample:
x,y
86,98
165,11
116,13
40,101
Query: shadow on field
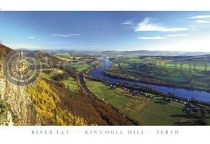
x,y
161,102
186,116
192,123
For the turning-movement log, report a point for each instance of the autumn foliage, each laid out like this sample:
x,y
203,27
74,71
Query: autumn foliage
x,y
4,50
46,104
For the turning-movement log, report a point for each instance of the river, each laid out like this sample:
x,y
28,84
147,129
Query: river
x,y
198,95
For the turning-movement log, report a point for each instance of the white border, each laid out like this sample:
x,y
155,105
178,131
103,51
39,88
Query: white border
x,y
76,134
103,5
23,135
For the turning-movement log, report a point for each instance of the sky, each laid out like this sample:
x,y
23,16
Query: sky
x,y
120,31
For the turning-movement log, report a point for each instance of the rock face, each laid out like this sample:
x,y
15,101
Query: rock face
x,y
20,105
18,102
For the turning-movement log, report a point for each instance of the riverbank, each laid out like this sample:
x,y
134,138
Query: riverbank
x,y
147,80
146,89
198,96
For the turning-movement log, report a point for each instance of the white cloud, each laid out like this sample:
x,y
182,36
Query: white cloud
x,y
66,35
25,45
128,22
177,35
202,21
147,25
96,46
152,38
191,45
200,17
31,37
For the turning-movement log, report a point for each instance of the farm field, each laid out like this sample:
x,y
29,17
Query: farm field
x,y
77,62
191,71
146,111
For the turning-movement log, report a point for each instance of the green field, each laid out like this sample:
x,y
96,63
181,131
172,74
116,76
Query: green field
x,y
80,67
125,66
53,72
73,62
71,84
146,111
173,78
64,56
193,72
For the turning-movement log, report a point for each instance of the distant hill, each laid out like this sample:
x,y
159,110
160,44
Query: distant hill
x,y
135,52
4,50
157,53
43,55
58,51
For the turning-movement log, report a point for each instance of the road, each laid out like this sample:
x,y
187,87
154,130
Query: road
x,y
90,93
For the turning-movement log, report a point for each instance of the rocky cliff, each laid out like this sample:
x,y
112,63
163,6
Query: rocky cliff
x,y
19,107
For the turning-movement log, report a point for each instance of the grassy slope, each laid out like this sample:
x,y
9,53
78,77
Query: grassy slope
x,y
75,63
4,50
71,84
92,110
47,103
80,105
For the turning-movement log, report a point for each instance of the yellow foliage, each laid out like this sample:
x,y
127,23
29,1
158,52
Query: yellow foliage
x,y
46,101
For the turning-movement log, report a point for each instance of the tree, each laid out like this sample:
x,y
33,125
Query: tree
x,y
203,112
171,94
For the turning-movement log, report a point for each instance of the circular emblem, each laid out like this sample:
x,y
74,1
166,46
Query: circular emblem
x,y
21,67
